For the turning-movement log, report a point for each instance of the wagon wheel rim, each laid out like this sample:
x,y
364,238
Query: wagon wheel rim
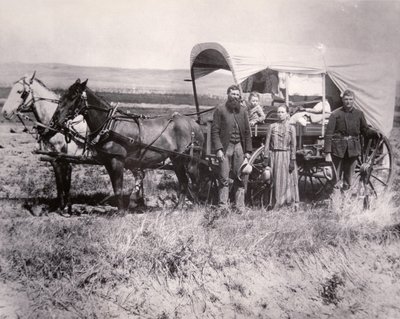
x,y
374,168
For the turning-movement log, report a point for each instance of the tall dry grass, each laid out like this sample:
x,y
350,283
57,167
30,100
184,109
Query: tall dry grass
x,y
204,263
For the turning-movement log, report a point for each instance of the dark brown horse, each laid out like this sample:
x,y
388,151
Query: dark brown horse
x,y
133,142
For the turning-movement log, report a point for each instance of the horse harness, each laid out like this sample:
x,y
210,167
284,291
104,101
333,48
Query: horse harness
x,y
105,131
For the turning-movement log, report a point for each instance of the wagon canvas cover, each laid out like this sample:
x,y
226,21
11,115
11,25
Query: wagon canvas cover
x,y
371,76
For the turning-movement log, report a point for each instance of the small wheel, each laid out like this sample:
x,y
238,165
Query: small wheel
x,y
315,178
374,168
258,190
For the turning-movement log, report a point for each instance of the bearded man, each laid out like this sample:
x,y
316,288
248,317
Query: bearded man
x,y
231,140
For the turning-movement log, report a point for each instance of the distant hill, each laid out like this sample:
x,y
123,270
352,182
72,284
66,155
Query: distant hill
x,y
61,76
56,75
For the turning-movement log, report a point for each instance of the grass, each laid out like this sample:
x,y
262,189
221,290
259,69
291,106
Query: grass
x,y
176,264
337,261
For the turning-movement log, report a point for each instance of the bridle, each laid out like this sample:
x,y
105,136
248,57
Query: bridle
x,y
80,107
27,105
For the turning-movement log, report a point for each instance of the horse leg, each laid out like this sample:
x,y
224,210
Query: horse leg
x,y
138,192
67,172
58,173
180,171
193,171
115,168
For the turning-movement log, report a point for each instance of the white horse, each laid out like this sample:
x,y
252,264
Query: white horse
x,y
29,94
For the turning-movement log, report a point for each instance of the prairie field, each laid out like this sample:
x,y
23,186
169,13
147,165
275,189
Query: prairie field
x,y
329,259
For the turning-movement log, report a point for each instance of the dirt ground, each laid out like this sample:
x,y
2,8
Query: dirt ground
x,y
14,302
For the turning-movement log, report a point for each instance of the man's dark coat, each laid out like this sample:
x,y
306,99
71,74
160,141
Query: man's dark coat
x,y
343,131
222,127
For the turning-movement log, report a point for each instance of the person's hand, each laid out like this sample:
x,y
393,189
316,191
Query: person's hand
x,y
247,155
266,161
291,166
328,157
220,155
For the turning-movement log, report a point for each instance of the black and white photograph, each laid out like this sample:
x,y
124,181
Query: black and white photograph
x,y
185,159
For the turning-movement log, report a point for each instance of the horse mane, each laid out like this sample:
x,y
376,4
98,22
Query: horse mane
x,y
36,79
98,98
50,91
41,83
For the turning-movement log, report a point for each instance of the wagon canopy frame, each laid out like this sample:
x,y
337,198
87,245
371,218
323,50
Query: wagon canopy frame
x,y
371,75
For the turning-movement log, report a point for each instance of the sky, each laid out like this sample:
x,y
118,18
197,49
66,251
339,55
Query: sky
x,y
159,34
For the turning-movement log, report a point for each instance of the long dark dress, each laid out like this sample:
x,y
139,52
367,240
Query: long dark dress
x,y
280,147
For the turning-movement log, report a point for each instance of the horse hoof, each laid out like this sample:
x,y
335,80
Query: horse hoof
x,y
66,215
139,211
122,213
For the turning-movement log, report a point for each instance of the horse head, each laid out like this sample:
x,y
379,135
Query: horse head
x,y
20,98
71,104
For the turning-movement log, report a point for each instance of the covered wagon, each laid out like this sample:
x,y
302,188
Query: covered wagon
x,y
306,76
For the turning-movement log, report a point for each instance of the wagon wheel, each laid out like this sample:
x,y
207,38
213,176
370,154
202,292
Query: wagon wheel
x,y
258,191
315,177
208,184
374,169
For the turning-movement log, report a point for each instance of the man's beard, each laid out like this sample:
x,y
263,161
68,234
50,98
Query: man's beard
x,y
233,105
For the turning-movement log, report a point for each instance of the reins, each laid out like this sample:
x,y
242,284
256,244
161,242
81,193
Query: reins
x,y
37,124
133,115
105,129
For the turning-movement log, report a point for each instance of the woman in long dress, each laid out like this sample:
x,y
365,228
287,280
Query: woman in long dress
x,y
280,154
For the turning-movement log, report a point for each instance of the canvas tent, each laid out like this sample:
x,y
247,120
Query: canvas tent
x,y
371,76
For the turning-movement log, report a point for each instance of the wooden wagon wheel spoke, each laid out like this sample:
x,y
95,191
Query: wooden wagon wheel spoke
x,y
311,182
373,188
379,180
320,181
323,186
381,157
372,157
382,168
